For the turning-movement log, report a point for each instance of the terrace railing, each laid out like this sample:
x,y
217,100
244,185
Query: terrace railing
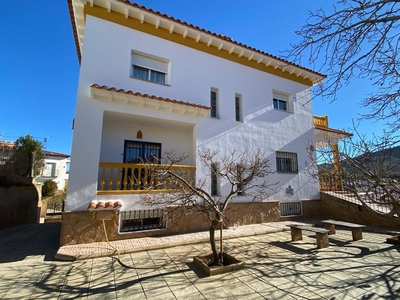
x,y
124,178
355,190
330,182
321,121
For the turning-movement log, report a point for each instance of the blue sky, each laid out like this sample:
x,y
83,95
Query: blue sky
x,y
40,69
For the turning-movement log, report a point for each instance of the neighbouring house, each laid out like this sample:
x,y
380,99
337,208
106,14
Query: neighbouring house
x,y
149,83
6,149
56,168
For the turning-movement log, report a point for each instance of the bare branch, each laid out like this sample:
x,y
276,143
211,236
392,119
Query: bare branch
x,y
356,39
243,176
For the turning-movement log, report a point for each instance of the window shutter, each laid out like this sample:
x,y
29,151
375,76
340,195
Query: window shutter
x,y
149,63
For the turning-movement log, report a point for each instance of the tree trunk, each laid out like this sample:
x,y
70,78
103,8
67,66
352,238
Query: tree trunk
x,y
212,242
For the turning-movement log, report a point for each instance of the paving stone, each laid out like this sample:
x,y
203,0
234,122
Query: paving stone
x,y
276,268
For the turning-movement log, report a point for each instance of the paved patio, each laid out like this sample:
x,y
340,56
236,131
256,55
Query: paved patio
x,y
276,268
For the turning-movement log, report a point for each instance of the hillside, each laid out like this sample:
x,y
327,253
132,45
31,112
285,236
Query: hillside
x,y
391,161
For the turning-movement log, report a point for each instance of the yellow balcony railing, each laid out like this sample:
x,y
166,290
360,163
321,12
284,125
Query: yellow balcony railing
x,y
321,121
121,178
329,182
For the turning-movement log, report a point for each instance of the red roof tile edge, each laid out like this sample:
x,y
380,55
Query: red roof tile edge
x,y
220,36
129,92
56,154
101,205
333,130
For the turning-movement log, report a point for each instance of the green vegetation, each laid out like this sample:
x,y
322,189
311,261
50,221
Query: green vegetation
x,y
27,156
49,188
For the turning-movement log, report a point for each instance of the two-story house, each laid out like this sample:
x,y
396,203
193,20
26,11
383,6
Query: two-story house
x,y
149,83
55,168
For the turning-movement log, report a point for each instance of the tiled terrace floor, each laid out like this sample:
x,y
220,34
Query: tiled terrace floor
x,y
276,268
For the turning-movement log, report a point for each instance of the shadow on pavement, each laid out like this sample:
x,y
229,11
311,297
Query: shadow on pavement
x,y
19,242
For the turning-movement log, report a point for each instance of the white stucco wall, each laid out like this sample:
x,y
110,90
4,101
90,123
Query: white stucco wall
x,y
60,171
106,60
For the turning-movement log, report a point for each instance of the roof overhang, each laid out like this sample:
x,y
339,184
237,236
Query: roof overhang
x,y
129,97
161,25
328,136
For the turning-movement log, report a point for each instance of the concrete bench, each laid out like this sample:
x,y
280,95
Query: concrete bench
x,y
356,229
321,234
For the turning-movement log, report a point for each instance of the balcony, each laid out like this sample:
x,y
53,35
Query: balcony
x,y
121,178
321,121
330,182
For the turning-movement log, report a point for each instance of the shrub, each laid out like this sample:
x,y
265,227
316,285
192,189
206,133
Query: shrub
x,y
49,188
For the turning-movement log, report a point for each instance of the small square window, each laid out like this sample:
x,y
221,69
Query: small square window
x,y
149,68
282,102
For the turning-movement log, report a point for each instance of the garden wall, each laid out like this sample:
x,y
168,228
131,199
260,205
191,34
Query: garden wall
x,y
19,201
338,209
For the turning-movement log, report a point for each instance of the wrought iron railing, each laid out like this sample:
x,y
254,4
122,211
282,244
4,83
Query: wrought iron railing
x,y
359,191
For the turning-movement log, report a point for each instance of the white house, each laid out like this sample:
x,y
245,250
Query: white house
x,y
56,168
149,83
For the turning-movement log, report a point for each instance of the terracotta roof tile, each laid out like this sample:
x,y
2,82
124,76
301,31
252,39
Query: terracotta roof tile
x,y
333,130
101,205
56,154
220,36
129,92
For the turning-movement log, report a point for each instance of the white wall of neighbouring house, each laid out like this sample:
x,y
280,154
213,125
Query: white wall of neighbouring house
x,y
106,60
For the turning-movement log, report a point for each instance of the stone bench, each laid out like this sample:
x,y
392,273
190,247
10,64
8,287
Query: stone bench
x,y
356,229
321,234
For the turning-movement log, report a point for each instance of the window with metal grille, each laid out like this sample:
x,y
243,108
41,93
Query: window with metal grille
x,y
290,209
214,179
139,220
138,152
214,103
239,178
238,108
286,162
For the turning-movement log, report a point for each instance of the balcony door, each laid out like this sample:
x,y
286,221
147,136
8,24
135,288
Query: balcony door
x,y
138,152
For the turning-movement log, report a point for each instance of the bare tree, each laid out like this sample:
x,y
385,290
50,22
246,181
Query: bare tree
x,y
241,174
356,39
369,171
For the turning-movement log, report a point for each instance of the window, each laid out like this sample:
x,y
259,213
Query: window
x,y
282,102
138,152
214,103
149,68
138,220
240,174
49,170
67,166
286,162
238,108
214,179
